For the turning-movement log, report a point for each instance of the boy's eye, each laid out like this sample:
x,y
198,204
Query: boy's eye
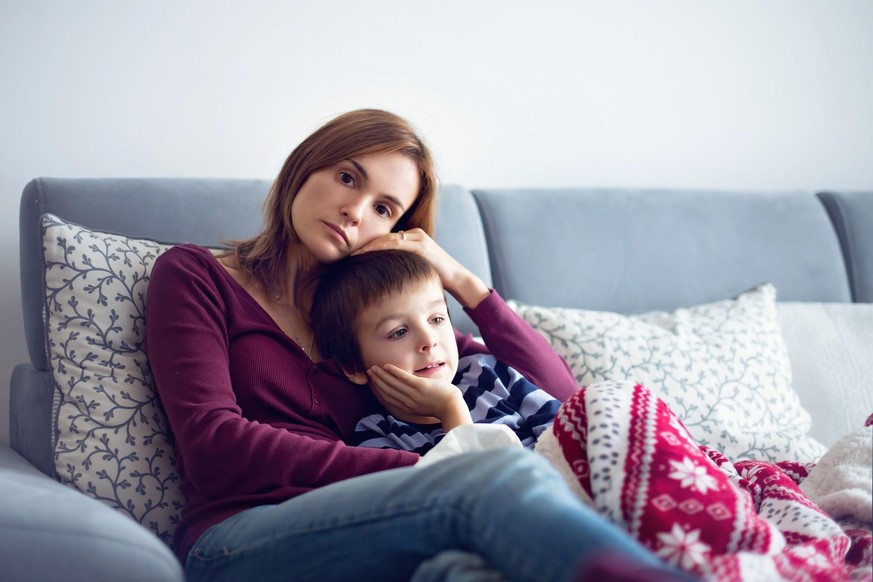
x,y
398,334
347,178
438,319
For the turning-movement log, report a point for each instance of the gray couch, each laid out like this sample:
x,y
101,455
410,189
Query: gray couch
x,y
616,250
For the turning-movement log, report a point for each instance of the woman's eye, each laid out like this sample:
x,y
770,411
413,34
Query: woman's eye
x,y
347,179
398,334
383,210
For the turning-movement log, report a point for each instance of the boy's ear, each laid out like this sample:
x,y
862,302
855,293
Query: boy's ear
x,y
359,378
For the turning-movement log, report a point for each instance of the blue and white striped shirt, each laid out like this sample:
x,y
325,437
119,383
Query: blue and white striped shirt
x,y
494,393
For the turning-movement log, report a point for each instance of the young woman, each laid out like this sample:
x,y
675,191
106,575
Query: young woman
x,y
261,424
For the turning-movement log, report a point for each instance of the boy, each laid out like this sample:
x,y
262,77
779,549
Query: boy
x,y
389,324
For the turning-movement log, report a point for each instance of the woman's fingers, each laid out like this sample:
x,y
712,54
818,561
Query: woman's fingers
x,y
405,240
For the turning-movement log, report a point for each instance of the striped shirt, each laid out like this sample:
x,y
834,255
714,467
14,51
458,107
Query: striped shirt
x,y
494,393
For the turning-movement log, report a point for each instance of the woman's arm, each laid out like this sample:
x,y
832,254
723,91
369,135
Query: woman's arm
x,y
512,341
222,452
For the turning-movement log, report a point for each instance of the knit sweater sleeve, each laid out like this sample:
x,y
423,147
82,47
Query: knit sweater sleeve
x,y
221,452
512,341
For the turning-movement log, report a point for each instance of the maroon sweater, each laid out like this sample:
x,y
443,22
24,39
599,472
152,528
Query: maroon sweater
x,y
255,421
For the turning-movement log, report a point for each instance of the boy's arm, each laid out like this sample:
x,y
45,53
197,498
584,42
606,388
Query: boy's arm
x,y
419,400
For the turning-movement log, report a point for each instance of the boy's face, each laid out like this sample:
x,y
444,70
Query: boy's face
x,y
411,331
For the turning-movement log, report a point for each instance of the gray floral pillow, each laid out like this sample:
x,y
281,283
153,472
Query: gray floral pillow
x,y
722,367
111,438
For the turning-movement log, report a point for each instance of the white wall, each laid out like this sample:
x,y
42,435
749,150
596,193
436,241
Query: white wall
x,y
677,93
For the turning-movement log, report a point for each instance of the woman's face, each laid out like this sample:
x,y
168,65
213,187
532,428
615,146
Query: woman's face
x,y
341,208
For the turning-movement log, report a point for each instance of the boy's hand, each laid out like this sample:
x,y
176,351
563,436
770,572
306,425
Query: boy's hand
x,y
408,396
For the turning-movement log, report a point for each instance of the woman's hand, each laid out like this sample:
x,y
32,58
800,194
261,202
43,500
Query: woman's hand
x,y
410,397
457,279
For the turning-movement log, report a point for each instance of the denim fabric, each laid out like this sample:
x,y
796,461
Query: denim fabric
x,y
507,505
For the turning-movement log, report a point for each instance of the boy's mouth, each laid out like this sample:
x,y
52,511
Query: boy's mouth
x,y
430,368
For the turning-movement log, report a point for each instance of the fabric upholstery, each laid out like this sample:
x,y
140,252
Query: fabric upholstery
x,y
632,251
52,533
30,428
722,367
831,350
852,216
459,231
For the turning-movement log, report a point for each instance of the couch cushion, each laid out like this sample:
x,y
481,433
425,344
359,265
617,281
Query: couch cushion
x,y
722,367
831,351
111,439
50,533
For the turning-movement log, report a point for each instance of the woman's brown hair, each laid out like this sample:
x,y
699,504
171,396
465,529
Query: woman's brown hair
x,y
356,133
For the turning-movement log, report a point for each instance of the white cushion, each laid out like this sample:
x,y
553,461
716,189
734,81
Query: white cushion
x,y
111,438
722,367
831,350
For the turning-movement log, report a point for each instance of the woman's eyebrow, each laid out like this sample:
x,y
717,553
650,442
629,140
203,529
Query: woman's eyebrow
x,y
363,171
360,168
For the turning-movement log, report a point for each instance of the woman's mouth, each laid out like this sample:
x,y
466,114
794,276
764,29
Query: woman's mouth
x,y
337,232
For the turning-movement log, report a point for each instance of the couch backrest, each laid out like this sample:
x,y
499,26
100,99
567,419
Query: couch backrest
x,y
639,250
617,250
852,216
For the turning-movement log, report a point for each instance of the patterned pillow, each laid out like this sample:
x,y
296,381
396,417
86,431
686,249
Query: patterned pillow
x,y
111,439
722,367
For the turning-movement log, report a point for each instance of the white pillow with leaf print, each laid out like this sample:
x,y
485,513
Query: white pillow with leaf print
x,y
110,436
722,367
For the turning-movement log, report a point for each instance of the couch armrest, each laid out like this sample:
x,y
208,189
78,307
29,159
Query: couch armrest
x,y
51,532
851,214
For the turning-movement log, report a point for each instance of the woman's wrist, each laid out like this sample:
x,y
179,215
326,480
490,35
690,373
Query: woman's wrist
x,y
469,290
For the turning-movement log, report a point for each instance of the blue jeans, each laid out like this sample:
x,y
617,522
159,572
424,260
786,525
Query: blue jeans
x,y
507,505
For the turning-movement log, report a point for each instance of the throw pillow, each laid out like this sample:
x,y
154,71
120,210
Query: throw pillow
x,y
722,367
110,436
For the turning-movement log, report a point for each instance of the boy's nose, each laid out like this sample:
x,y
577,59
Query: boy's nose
x,y
428,344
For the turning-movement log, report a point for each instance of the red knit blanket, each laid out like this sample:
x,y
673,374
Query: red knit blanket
x,y
721,520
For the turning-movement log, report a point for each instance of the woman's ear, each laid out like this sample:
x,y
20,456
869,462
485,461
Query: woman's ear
x,y
357,377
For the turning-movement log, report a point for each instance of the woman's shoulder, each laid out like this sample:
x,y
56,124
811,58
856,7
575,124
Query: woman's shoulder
x,y
188,256
187,261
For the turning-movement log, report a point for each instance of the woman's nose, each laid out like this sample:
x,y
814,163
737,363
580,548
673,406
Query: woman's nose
x,y
352,211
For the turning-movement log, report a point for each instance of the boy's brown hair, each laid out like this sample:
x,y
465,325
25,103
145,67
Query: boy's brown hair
x,y
353,284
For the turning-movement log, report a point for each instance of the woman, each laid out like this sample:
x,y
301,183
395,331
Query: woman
x,y
261,424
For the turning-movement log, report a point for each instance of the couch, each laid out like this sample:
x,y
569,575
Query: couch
x,y
88,489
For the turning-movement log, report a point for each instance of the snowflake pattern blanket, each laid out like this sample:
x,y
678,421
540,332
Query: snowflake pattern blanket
x,y
628,455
